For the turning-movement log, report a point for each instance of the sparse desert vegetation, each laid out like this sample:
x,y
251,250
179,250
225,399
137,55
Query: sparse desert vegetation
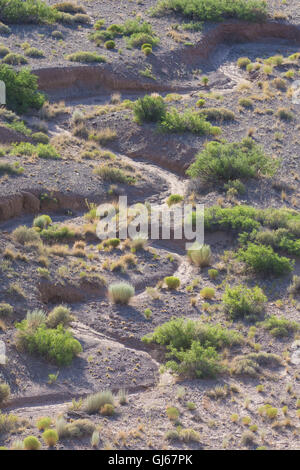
x,y
119,329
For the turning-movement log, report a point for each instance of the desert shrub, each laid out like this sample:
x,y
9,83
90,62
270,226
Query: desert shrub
x,y
138,39
172,282
198,361
8,423
149,109
215,10
57,233
47,151
188,121
69,7
179,333
262,259
217,114
242,62
248,438
172,413
56,345
121,292
57,35
4,392
133,26
78,428
246,102
174,199
85,57
14,59
240,218
21,89
60,315
207,292
6,310
110,44
279,327
111,243
50,437
113,175
31,443
35,318
40,138
95,439
34,53
23,234
93,403
227,161
243,302
192,346
30,11
213,273
285,114
200,255
43,423
42,221
249,364
81,18
280,84
11,168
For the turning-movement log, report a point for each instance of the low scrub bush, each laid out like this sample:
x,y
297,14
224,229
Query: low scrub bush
x,y
43,423
42,221
243,302
215,10
93,403
228,161
21,89
121,292
172,282
85,57
50,437
188,121
6,310
280,327
4,392
262,259
30,11
14,59
60,315
31,443
149,109
207,292
23,235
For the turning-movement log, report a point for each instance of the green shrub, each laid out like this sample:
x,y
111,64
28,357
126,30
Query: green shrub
x,y
262,259
50,437
85,57
31,443
149,109
207,292
43,423
60,315
47,151
285,114
23,234
111,242
213,273
69,7
21,89
113,175
215,10
110,44
217,114
246,102
4,392
34,53
188,121
56,233
172,282
138,39
56,345
11,168
172,413
107,410
243,302
40,138
279,327
30,11
14,59
4,29
93,403
242,62
42,221
174,199
121,292
4,51
227,161
200,255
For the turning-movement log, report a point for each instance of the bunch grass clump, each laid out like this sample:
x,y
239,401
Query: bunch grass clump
x,y
121,292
